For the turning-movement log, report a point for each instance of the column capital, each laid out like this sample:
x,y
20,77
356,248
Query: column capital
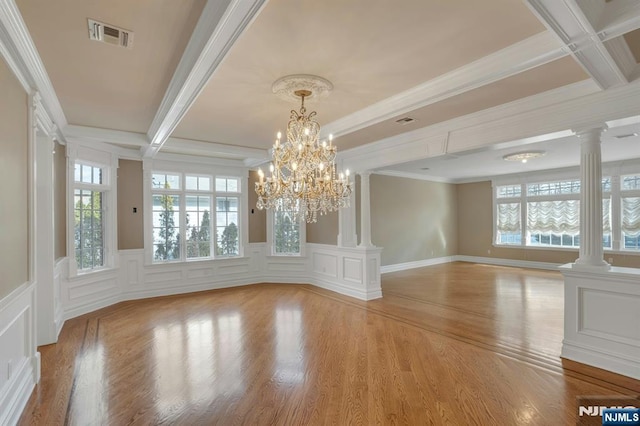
x,y
365,173
590,130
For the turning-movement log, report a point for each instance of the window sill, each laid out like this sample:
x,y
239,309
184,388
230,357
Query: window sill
x,y
92,273
568,249
196,261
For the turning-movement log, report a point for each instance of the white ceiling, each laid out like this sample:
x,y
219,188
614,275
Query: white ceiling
x,y
559,152
203,86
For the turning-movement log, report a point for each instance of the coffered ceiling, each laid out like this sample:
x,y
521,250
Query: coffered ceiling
x,y
198,78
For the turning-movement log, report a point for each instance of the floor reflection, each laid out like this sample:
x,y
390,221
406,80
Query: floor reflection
x,y
90,395
290,359
198,361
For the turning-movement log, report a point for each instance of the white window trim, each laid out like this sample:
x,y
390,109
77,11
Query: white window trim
x,y
151,166
271,243
109,163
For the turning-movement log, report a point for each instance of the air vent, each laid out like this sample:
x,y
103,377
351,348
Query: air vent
x,y
628,135
405,120
106,33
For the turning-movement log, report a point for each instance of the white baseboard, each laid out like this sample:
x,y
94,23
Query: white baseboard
x,y
595,357
507,262
415,264
472,259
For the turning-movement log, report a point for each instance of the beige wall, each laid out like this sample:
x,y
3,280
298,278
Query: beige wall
x,y
14,208
325,230
257,218
413,219
60,201
475,232
130,224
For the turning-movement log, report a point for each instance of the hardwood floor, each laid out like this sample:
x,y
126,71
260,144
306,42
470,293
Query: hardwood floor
x,y
450,344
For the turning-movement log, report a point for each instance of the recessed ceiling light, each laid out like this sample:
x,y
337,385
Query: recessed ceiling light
x,y
523,157
405,120
628,135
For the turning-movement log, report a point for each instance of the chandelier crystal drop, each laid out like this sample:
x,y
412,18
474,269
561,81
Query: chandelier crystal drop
x,y
303,176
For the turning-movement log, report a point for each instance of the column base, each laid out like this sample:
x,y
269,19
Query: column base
x,y
601,266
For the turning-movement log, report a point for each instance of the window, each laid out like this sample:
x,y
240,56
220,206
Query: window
x,y
182,219
630,212
88,216
166,216
509,229
227,216
286,230
545,214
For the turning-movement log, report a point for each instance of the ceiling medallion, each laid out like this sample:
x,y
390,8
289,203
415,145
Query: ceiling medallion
x,y
286,87
525,156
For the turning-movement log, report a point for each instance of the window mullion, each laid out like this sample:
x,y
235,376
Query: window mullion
x,y
616,214
524,232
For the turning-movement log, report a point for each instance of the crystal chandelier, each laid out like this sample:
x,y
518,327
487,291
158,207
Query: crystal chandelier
x,y
303,177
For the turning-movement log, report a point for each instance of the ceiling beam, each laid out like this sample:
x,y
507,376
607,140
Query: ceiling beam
x,y
618,18
219,26
530,53
93,135
573,26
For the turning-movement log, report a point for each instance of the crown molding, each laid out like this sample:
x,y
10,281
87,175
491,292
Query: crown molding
x,y
193,147
415,176
532,52
22,56
219,26
93,135
622,55
191,159
105,135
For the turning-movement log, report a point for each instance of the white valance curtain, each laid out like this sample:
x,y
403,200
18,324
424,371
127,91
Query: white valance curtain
x,y
554,217
508,218
631,216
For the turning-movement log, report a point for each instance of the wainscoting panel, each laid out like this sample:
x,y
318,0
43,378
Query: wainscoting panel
x,y
325,264
350,271
625,306
59,276
133,272
195,273
19,361
92,288
602,318
353,275
352,268
169,274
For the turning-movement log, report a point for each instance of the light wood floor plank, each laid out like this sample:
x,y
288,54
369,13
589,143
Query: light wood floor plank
x,y
450,344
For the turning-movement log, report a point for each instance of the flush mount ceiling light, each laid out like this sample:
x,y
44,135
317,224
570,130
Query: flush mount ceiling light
x,y
523,157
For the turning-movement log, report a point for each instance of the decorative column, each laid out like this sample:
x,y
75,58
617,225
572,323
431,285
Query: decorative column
x,y
347,224
365,210
591,251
